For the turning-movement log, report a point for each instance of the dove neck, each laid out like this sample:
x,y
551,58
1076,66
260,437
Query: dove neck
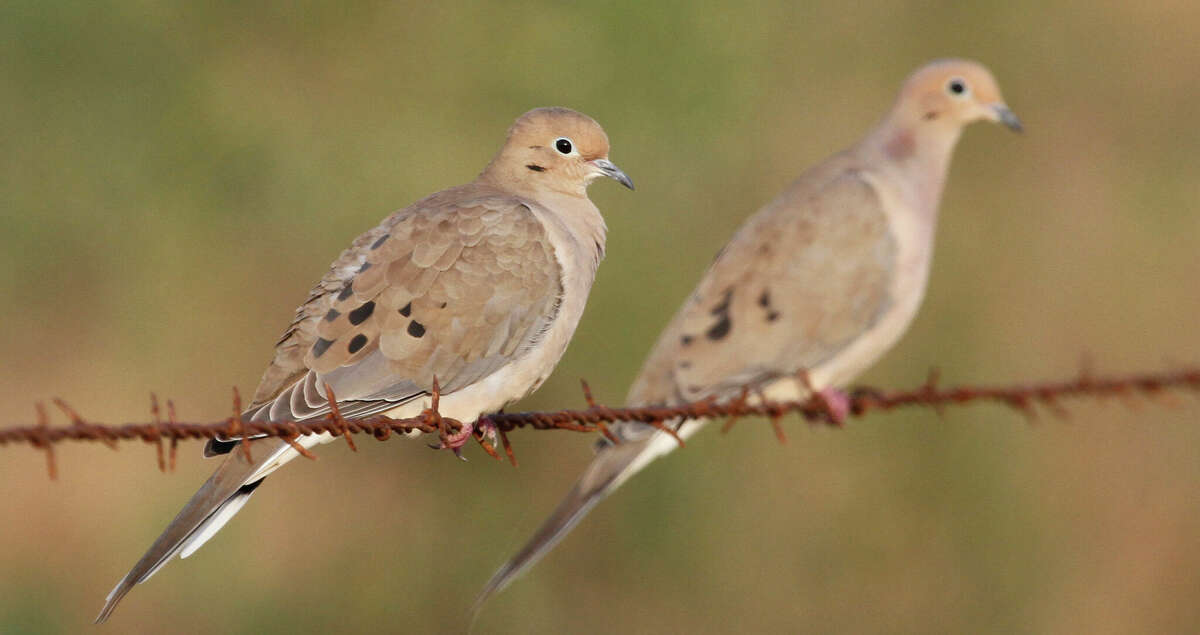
x,y
583,222
567,197
919,154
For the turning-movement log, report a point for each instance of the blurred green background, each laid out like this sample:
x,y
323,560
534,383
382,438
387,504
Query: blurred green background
x,y
173,178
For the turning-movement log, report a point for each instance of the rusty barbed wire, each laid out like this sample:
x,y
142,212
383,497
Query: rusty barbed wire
x,y
1023,397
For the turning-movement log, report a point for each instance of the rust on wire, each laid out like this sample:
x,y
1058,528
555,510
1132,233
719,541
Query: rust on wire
x,y
487,447
1025,398
156,436
78,422
737,403
930,387
40,439
590,400
172,421
235,426
657,423
336,415
291,440
776,419
508,450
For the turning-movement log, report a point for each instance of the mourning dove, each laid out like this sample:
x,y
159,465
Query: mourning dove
x,y
824,279
479,286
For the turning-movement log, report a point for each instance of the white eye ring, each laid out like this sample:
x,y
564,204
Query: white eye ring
x,y
564,145
957,88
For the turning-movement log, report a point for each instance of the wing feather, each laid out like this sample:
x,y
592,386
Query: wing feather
x,y
453,287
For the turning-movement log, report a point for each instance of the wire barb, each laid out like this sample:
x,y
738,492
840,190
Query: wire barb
x,y
668,429
41,440
291,440
174,437
599,423
738,403
508,450
335,417
1024,398
158,433
236,425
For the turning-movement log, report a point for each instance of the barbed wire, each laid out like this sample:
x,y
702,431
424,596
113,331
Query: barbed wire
x,y
165,432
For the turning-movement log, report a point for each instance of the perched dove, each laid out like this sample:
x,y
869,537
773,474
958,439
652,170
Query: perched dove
x,y
824,279
480,286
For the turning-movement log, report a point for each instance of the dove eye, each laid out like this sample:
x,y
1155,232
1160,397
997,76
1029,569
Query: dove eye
x,y
563,145
957,87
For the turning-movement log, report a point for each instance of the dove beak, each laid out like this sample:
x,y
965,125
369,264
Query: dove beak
x,y
1002,114
607,168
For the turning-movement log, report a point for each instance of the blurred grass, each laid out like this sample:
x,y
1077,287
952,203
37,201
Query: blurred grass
x,y
174,177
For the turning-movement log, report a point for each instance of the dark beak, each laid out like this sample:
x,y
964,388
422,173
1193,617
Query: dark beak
x,y
1008,118
607,168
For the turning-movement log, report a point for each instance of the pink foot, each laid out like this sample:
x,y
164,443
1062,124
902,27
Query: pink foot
x,y
456,440
836,404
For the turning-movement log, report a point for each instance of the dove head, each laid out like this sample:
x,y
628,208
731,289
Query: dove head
x,y
942,97
554,149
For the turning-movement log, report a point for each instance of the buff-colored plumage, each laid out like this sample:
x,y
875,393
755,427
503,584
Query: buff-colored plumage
x,y
480,286
825,278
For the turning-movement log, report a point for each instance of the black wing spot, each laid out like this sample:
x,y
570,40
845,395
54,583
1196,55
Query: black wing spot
x,y
347,291
357,343
686,340
721,311
720,329
443,306
764,301
406,310
416,329
332,315
379,241
360,315
364,267
685,364
321,346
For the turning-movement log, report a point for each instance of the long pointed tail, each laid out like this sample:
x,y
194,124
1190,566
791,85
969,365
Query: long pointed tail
x,y
611,467
225,492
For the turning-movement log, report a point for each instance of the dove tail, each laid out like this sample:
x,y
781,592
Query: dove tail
x,y
221,496
195,524
611,467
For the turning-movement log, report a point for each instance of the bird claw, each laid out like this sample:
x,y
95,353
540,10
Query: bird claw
x,y
487,430
454,441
